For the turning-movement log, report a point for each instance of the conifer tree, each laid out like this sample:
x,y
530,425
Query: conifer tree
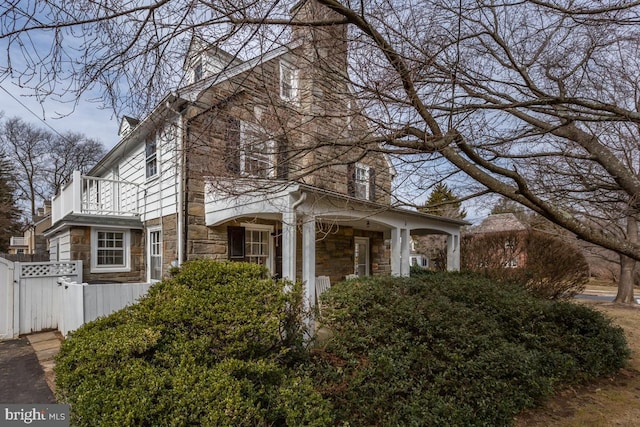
x,y
443,202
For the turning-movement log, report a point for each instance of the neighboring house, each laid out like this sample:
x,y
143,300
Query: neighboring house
x,y
33,242
503,242
242,164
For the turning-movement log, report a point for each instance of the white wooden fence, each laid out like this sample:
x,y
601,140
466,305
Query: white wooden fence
x,y
82,303
37,296
31,296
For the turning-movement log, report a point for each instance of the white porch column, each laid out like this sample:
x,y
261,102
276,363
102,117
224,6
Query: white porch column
x,y
309,257
453,252
395,252
289,245
405,251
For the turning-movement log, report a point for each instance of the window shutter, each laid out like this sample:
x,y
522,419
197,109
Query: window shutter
x,y
235,239
232,147
282,168
351,179
372,184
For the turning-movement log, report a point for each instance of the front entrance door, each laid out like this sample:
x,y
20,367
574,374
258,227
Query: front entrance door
x,y
361,256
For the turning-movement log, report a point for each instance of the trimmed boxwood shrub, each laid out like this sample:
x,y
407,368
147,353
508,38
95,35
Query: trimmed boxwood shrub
x,y
453,349
222,344
218,344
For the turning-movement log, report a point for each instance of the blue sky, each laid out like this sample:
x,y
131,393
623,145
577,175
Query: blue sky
x,y
86,117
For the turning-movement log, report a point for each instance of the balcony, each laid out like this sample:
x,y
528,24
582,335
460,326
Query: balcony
x,y
86,195
18,241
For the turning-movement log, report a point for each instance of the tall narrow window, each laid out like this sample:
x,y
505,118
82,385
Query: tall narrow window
x,y
155,255
361,181
288,82
151,158
361,256
257,156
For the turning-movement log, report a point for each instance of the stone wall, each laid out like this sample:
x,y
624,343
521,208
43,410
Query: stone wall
x,y
81,250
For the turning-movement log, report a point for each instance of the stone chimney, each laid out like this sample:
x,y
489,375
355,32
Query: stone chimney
x,y
326,44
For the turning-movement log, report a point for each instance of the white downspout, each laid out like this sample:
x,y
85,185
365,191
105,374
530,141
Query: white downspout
x,y
179,183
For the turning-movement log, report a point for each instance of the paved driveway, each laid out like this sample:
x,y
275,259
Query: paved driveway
x,y
22,379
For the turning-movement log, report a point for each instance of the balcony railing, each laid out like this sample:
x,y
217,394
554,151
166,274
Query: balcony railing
x,y
96,196
18,241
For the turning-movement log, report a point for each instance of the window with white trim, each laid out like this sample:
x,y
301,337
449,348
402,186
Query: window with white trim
x,y
252,243
257,154
155,255
151,158
288,82
110,250
257,246
361,181
361,256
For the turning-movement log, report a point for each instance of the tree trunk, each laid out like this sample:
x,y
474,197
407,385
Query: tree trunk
x,y
627,268
625,282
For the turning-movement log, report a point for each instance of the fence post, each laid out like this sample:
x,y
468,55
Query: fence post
x,y
6,298
72,311
16,299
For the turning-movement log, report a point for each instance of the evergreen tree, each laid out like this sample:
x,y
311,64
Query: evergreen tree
x,y
443,202
9,212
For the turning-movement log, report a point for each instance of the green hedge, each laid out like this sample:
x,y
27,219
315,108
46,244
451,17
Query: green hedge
x,y
453,349
222,344
218,344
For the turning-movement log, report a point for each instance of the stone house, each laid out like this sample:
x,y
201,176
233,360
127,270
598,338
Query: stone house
x,y
261,160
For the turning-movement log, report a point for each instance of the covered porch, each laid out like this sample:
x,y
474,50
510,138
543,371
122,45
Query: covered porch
x,y
314,224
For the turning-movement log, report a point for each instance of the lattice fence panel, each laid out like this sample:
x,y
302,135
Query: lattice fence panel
x,y
48,269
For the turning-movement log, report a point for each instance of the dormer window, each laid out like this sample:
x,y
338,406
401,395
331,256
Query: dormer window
x,y
288,82
197,71
151,159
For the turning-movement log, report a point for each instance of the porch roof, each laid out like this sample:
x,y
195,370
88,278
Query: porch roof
x,y
94,221
269,201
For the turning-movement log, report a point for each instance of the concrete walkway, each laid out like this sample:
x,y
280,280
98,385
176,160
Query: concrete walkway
x,y
46,345
26,368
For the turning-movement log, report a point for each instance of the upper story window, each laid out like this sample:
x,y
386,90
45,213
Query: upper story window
x,y
151,162
288,81
257,152
361,182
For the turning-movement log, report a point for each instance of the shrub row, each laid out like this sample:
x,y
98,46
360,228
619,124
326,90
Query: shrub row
x,y
453,349
222,344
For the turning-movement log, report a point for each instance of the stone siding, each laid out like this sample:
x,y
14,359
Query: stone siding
x,y
81,250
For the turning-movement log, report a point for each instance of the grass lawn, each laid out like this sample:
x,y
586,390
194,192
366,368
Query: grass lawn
x,y
612,401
